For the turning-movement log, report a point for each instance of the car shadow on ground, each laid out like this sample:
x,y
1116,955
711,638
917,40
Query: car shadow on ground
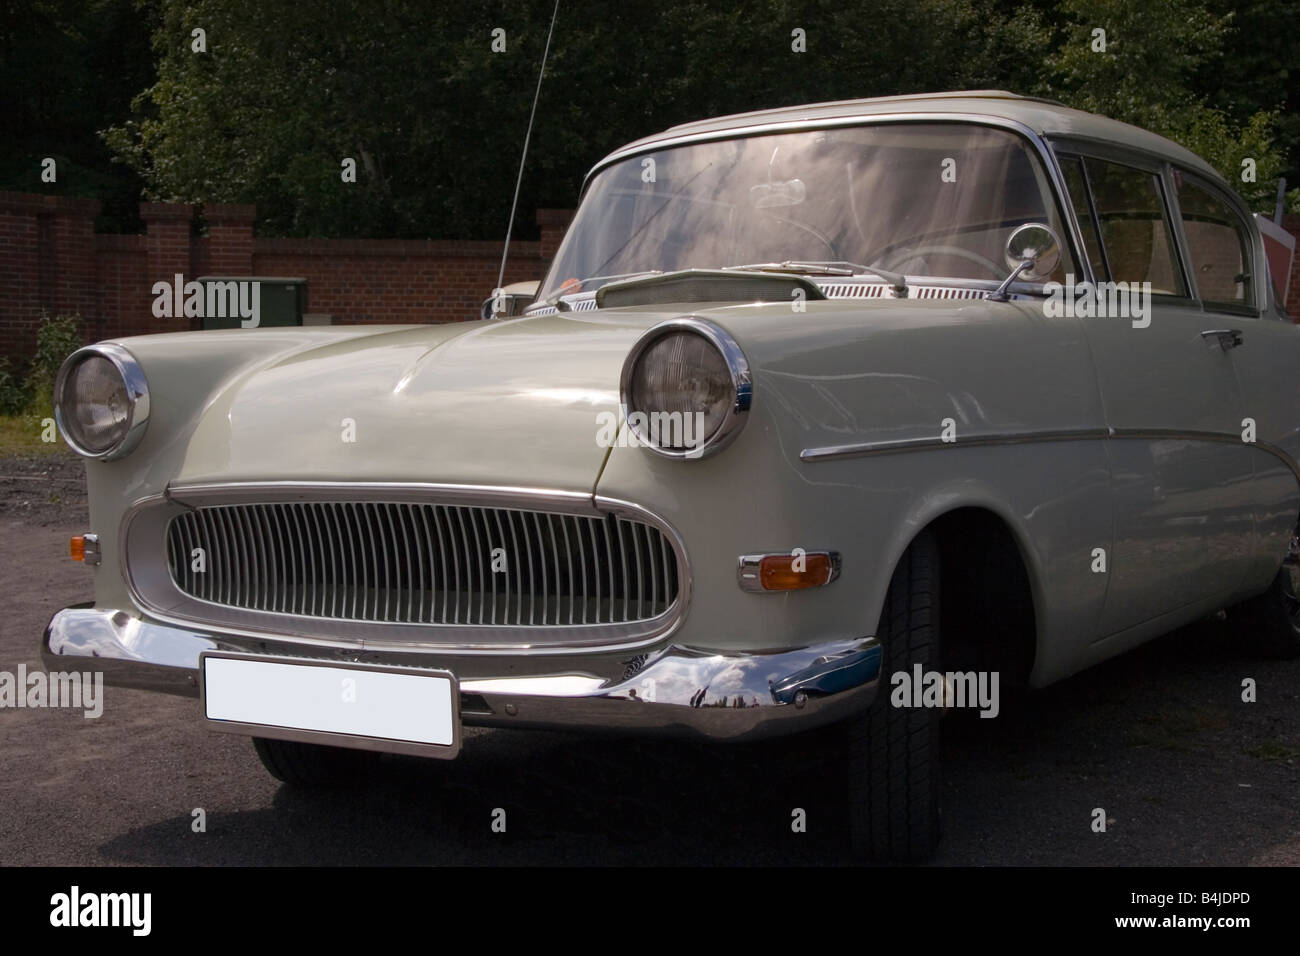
x,y
1157,742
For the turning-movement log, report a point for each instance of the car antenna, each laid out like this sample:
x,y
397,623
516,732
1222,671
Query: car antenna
x,y
524,157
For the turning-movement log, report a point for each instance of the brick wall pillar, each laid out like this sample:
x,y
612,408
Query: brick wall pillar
x,y
47,262
20,273
230,242
70,268
170,252
553,224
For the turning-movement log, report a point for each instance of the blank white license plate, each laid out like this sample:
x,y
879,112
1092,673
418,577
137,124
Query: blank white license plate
x,y
392,709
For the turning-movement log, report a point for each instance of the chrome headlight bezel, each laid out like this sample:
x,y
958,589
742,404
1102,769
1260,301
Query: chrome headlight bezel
x,y
137,393
742,386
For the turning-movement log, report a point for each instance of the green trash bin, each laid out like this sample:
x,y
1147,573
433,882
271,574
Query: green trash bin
x,y
281,301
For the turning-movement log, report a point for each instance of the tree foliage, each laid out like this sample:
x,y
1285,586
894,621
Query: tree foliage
x,y
1147,75
66,68
434,118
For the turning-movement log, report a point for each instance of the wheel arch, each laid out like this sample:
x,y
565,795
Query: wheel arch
x,y
1006,577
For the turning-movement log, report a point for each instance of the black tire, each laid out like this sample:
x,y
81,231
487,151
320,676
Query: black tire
x,y
313,766
1270,623
894,782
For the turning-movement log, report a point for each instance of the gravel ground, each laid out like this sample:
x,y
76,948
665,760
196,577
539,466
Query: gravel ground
x,y
1159,738
43,490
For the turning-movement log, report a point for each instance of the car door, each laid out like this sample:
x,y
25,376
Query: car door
x,y
1182,478
1227,264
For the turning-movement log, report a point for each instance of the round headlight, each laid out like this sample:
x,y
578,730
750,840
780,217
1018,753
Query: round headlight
x,y
685,388
101,401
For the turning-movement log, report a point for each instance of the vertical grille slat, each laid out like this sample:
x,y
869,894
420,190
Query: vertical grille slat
x,y
282,560
239,588
381,551
652,562
532,578
370,577
568,554
330,522
428,539
582,564
209,587
459,573
355,572
484,571
541,562
512,559
320,560
607,560
500,542
425,564
415,596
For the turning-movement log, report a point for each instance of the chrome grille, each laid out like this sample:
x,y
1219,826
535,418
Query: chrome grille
x,y
414,563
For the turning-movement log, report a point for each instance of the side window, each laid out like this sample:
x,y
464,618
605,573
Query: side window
x,y
1218,246
1134,231
1072,168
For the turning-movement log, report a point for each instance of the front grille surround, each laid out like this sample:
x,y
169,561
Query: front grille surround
x,y
401,565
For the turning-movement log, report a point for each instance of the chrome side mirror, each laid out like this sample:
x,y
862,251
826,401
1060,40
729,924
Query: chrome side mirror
x,y
1033,252
1036,245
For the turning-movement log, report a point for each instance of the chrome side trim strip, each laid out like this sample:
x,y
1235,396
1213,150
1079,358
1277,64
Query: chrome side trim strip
x,y
894,446
863,449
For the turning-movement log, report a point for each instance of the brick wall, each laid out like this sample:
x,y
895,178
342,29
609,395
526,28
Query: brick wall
x,y
395,280
51,258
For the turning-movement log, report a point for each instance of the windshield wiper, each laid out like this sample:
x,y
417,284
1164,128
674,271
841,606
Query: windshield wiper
x,y
837,267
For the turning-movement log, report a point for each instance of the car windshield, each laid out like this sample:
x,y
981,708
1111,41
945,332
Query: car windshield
x,y
922,199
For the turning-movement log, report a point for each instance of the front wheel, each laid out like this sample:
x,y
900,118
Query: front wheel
x,y
894,751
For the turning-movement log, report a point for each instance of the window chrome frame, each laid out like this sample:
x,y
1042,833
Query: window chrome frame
x,y
1037,142
1244,221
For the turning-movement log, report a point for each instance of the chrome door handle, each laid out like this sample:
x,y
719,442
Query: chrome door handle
x,y
1226,338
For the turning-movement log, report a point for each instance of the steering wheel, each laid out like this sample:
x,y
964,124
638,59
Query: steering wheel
x,y
997,271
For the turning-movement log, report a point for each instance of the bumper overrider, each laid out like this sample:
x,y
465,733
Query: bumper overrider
x,y
673,690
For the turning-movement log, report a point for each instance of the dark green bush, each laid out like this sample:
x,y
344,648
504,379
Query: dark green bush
x,y
14,394
56,339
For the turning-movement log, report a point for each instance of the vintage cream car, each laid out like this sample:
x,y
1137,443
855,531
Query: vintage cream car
x,y
812,403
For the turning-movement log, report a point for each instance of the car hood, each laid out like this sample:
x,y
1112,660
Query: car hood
x,y
522,402
517,403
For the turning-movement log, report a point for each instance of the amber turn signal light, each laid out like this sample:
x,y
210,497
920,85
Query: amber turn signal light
x,y
84,547
788,571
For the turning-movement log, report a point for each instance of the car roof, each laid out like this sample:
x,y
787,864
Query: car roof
x,y
1045,117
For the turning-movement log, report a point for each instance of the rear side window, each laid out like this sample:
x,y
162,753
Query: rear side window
x,y
1135,233
1217,245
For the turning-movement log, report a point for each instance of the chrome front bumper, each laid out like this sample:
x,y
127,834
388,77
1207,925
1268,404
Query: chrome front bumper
x,y
674,690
